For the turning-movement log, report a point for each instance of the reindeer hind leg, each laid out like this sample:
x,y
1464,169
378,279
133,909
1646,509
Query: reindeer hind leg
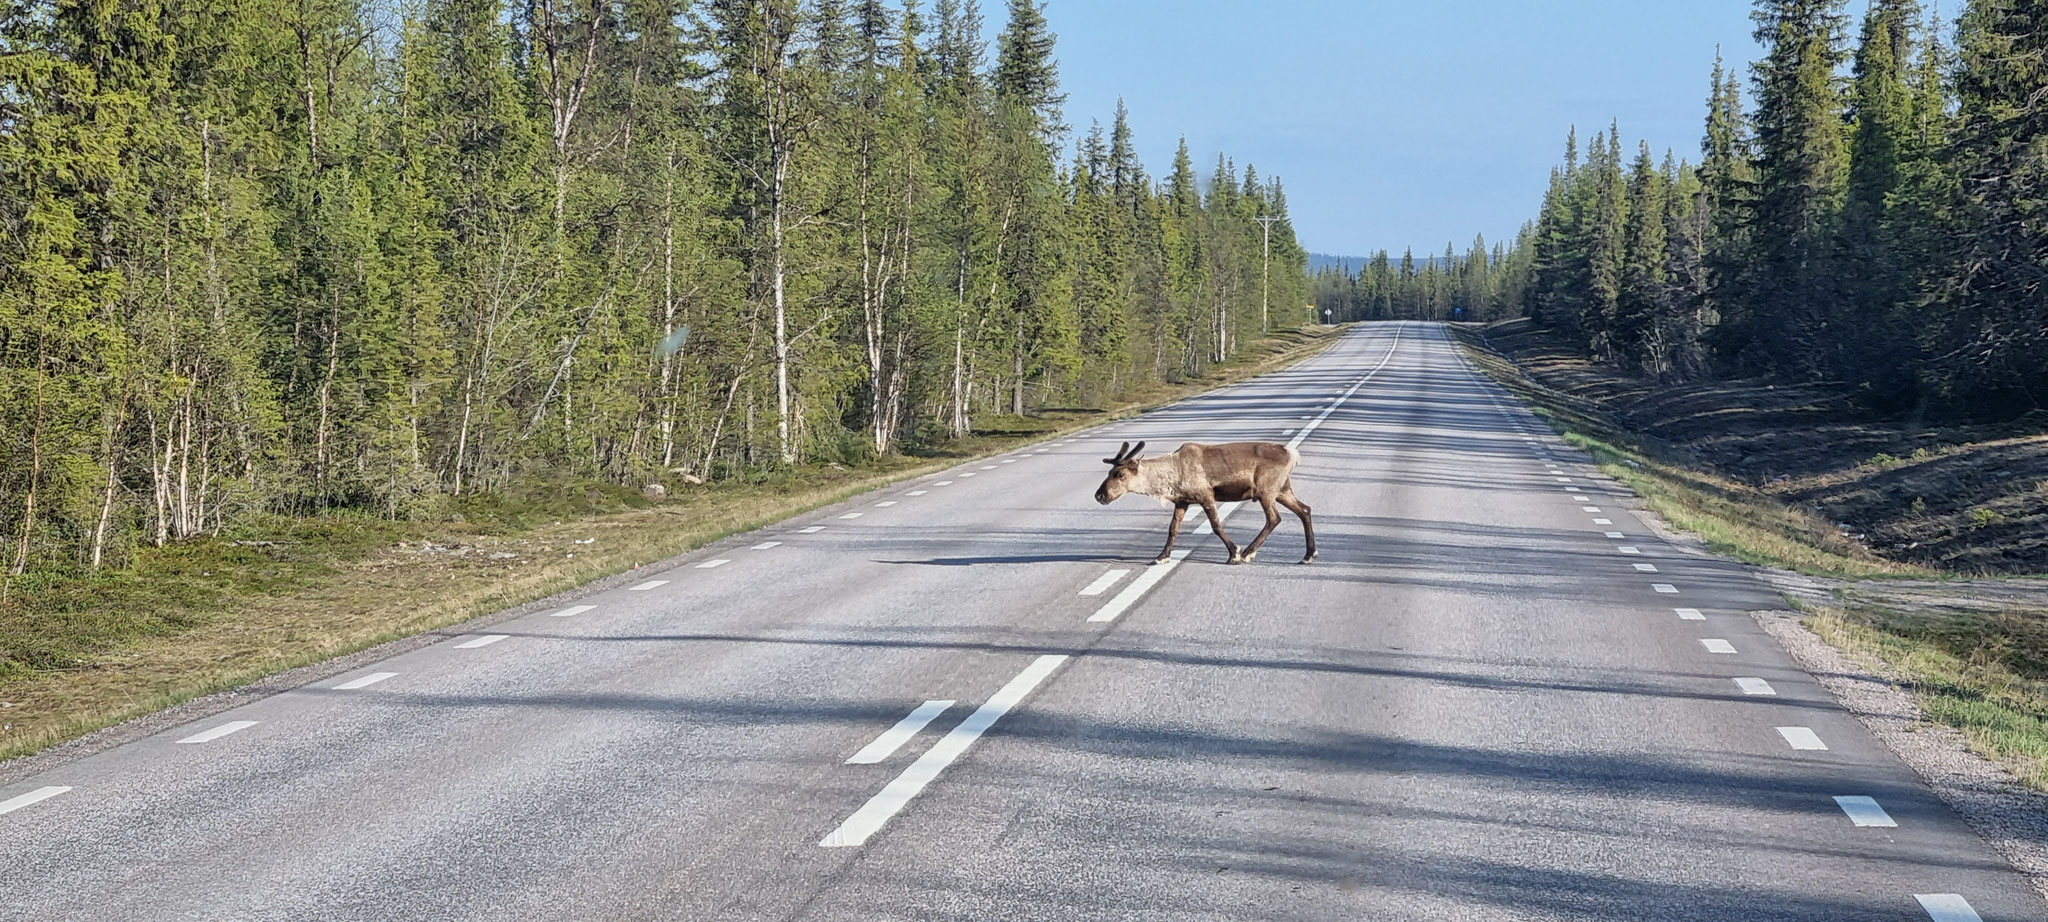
x,y
1300,509
1272,522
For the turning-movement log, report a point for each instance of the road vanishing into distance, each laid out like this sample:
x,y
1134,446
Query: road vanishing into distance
x,y
1496,695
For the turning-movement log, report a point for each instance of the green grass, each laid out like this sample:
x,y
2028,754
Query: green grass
x,y
1983,673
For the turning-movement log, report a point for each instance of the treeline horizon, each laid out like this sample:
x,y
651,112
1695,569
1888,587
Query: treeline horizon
x,y
1872,220
1482,284
357,256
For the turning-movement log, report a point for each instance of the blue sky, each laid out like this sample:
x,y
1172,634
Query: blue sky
x,y
1395,123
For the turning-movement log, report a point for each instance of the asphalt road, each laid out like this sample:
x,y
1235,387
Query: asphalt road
x,y
1479,703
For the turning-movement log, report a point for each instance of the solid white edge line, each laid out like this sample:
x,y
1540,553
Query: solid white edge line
x,y
1947,907
483,641
893,738
876,813
36,796
1864,811
365,681
650,584
1103,582
207,736
571,611
1802,738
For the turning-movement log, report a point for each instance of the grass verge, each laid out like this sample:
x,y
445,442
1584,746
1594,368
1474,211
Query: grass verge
x,y
1981,672
1730,517
81,653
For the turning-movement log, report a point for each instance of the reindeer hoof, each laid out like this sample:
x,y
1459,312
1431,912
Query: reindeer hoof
x,y
1237,558
1247,558
1162,559
1309,559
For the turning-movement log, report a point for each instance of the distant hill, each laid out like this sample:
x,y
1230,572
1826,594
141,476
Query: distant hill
x,y
1317,262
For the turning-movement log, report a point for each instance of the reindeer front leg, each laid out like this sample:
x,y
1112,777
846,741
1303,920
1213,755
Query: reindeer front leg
x,y
1180,511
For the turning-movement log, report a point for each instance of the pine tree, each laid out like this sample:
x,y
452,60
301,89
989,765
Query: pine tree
x,y
1802,166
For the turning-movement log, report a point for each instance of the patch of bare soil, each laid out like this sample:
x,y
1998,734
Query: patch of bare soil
x,y
1960,499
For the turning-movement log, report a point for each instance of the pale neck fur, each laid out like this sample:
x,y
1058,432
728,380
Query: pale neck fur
x,y
1159,476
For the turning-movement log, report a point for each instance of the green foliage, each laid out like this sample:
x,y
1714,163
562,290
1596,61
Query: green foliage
x,y
1879,229
327,258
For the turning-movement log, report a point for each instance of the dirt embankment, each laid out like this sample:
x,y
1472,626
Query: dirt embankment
x,y
1959,499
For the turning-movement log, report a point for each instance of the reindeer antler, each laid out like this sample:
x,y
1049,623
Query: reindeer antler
x,y
1120,453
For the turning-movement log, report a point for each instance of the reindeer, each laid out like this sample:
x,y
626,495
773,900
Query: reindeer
x,y
1209,474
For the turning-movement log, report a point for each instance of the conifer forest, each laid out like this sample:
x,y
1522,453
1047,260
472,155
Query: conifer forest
x,y
268,258
1865,210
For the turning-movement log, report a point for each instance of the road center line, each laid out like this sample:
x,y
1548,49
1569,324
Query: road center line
x,y
893,738
207,736
571,611
36,796
365,681
483,641
1802,737
650,584
1864,811
874,814
1103,582
1947,907
1318,420
1138,587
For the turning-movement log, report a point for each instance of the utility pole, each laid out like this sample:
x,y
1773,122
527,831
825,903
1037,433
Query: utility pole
x,y
1266,272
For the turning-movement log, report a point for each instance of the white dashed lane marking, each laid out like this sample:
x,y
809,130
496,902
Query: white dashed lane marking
x,y
1752,685
1689,614
872,815
943,483
1864,811
706,565
483,641
650,584
811,530
893,738
1801,738
207,736
1613,534
365,681
1625,549
1716,645
885,504
1666,588
851,515
1607,522
917,493
1103,582
765,545
36,796
1646,567
572,611
1589,508
1947,907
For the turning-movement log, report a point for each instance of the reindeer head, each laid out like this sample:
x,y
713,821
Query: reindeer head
x,y
1123,474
